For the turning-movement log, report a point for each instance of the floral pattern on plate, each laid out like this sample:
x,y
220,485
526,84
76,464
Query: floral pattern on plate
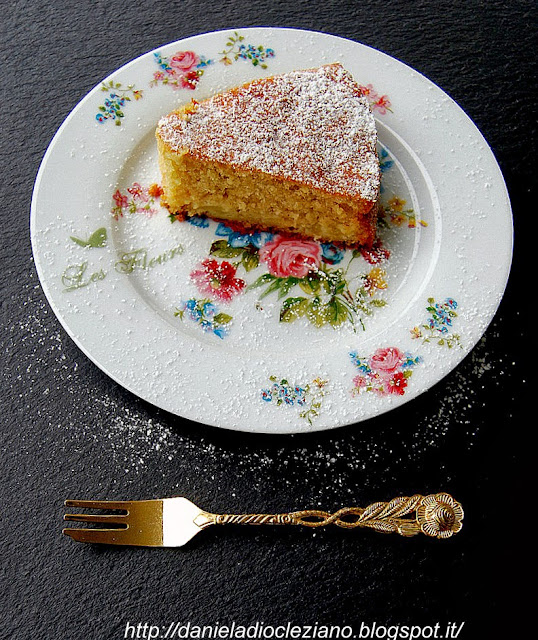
x,y
310,396
438,327
206,314
183,70
136,199
310,278
394,213
218,279
386,372
238,50
378,103
118,95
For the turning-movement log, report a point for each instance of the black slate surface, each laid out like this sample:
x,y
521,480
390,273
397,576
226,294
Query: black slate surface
x,y
69,431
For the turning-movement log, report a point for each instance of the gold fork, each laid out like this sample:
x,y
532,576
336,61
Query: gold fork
x,y
172,522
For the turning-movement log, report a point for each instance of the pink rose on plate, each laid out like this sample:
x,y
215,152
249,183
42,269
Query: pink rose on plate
x,y
384,362
290,257
184,61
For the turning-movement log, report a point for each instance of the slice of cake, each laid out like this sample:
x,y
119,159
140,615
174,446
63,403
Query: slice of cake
x,y
294,153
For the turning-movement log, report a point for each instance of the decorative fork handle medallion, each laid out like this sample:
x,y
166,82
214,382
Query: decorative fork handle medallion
x,y
437,515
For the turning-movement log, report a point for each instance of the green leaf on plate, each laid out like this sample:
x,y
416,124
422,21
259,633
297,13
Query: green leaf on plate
x,y
293,308
222,249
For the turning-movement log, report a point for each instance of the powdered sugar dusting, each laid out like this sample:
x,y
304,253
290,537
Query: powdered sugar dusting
x,y
310,126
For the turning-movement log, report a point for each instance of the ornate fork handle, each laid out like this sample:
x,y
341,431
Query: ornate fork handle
x,y
437,515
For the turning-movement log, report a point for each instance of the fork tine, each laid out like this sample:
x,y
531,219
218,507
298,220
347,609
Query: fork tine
x,y
100,536
98,504
89,517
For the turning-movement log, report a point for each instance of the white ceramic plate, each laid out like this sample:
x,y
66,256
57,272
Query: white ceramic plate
x,y
166,309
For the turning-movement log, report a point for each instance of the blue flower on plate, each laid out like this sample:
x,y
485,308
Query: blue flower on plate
x,y
411,361
239,240
198,221
209,310
204,62
207,315
384,161
161,61
192,310
360,363
331,254
300,396
221,331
